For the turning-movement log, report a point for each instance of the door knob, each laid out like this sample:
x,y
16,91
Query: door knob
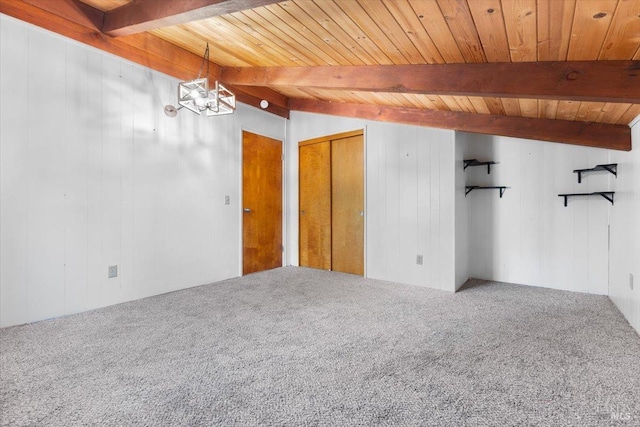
x,y
301,212
246,210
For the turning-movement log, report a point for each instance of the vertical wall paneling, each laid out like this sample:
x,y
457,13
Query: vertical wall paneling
x,y
461,212
402,188
205,157
625,231
169,259
580,245
97,175
46,174
435,222
76,163
506,224
144,272
94,142
395,240
596,222
127,76
425,228
530,205
446,167
374,197
528,236
111,180
14,166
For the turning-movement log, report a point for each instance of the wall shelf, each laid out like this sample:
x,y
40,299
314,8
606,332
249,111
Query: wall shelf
x,y
474,162
606,194
612,168
469,188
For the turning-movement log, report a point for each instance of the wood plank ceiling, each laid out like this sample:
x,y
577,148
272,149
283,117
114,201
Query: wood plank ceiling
x,y
557,70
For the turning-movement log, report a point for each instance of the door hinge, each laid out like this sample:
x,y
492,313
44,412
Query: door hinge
x,y
282,248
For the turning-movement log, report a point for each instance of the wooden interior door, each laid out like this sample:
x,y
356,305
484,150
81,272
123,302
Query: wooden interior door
x,y
261,202
315,205
347,204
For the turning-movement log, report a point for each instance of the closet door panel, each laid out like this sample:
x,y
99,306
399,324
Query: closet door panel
x,y
347,205
315,205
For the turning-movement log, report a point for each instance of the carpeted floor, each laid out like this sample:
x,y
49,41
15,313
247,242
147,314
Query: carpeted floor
x,y
295,346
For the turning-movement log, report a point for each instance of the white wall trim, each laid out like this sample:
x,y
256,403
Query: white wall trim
x,y
366,207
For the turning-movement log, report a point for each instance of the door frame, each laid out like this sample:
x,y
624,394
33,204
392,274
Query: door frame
x,y
360,130
239,211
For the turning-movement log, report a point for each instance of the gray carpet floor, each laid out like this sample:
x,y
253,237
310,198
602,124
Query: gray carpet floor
x,y
295,346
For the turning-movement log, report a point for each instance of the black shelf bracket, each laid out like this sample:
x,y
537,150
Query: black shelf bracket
x,y
606,194
612,168
469,188
474,162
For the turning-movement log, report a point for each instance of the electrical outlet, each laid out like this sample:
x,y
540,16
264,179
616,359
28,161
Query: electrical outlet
x,y
631,281
113,271
419,259
227,200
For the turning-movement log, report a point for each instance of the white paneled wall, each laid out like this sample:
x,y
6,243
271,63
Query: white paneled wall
x,y
625,232
462,210
528,236
409,197
93,174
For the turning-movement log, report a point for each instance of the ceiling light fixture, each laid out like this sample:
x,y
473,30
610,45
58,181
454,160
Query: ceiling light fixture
x,y
195,95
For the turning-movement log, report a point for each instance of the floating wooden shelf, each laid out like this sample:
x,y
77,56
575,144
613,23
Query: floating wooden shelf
x,y
606,194
474,162
612,167
470,188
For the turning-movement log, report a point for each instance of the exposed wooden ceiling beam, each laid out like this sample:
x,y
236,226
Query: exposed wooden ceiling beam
x,y
616,137
601,81
145,15
65,17
72,10
62,17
